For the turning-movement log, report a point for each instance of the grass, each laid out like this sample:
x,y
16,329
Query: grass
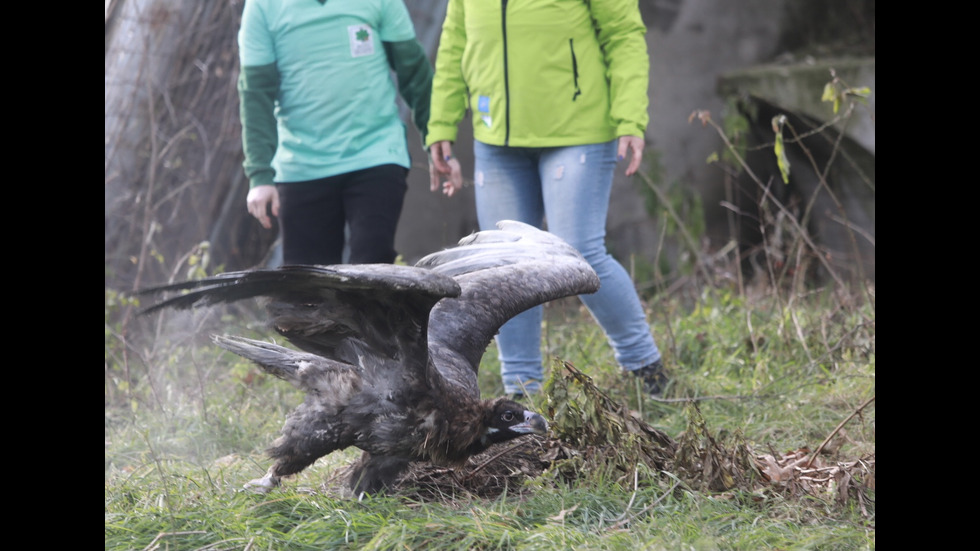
x,y
186,426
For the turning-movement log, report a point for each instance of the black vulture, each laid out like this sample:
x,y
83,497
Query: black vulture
x,y
388,355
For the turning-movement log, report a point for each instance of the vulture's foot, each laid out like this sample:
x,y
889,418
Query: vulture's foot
x,y
372,474
262,485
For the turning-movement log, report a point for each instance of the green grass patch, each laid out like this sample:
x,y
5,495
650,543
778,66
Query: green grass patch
x,y
186,426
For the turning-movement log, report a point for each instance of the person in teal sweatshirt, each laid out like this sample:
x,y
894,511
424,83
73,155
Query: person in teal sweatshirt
x,y
557,90
324,144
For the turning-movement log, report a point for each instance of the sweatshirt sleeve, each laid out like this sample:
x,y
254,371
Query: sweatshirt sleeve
x,y
257,91
414,74
449,95
622,35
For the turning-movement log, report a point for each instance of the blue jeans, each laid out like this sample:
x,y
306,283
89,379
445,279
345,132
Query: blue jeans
x,y
569,188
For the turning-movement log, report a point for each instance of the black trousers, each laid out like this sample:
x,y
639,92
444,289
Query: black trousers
x,y
313,214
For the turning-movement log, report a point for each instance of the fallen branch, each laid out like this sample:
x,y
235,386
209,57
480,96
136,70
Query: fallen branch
x,y
836,430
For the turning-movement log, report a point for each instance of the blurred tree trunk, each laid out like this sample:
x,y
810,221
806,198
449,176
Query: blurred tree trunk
x,y
173,177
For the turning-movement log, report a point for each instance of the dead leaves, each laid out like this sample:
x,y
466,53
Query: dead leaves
x,y
602,432
500,469
798,473
593,434
593,429
705,464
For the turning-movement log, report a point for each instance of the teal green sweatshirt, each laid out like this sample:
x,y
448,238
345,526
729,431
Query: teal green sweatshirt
x,y
317,97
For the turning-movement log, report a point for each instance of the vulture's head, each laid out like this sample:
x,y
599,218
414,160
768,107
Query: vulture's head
x,y
506,419
389,354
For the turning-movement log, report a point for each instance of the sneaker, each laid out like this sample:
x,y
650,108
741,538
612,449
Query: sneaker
x,y
654,378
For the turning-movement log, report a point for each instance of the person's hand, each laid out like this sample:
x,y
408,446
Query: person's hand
x,y
259,199
443,165
438,180
633,145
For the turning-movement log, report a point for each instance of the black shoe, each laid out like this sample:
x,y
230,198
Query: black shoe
x,y
524,394
654,378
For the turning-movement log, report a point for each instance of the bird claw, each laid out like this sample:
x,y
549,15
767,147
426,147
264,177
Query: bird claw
x,y
262,485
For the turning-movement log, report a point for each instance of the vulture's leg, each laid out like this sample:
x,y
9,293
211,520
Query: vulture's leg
x,y
374,473
307,436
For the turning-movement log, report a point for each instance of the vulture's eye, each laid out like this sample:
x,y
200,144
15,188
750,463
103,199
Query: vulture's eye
x,y
507,416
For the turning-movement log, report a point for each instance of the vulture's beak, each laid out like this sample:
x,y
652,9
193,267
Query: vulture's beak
x,y
533,424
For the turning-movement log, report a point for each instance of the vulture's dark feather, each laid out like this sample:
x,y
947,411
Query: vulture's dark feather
x,y
389,354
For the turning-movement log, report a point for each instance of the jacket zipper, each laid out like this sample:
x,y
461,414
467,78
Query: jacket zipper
x,y
578,91
503,23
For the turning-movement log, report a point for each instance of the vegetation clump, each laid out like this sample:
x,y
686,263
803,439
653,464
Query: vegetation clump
x,y
594,434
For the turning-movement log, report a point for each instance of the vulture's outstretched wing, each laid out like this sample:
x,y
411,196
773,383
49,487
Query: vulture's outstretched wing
x,y
502,273
333,311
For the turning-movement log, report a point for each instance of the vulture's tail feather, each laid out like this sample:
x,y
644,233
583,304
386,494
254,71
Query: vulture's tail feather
x,y
298,368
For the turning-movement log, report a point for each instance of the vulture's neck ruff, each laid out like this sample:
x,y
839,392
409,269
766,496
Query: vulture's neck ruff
x,y
453,434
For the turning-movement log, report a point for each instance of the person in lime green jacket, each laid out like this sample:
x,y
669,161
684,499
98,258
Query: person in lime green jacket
x,y
557,90
325,147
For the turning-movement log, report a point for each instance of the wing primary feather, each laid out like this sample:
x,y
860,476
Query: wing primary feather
x,y
302,282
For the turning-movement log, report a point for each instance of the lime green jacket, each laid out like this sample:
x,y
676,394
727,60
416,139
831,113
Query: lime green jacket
x,y
540,73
